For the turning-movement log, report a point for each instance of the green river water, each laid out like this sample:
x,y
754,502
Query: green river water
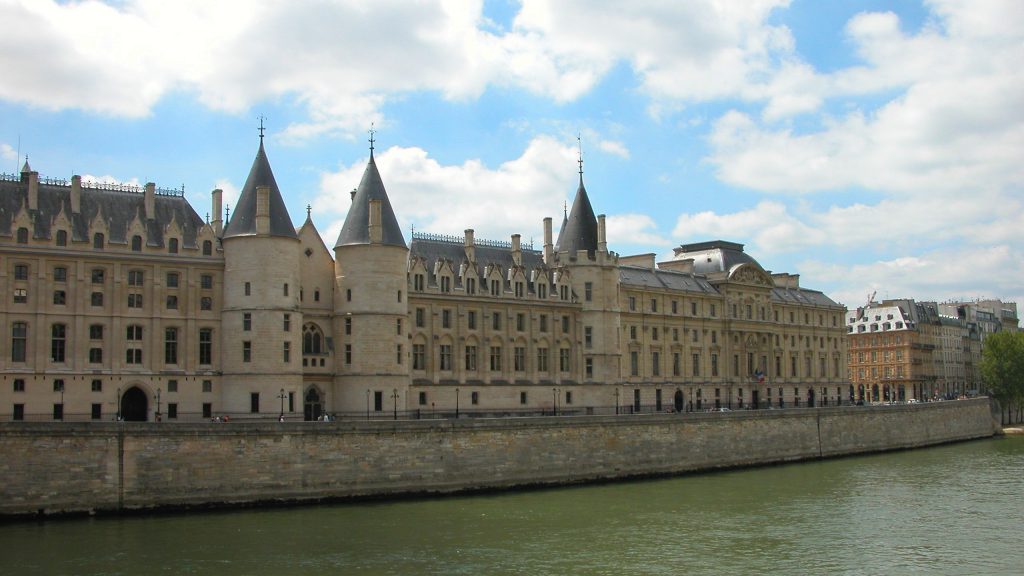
x,y
956,509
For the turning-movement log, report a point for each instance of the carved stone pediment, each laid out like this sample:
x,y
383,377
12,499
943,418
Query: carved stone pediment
x,y
750,275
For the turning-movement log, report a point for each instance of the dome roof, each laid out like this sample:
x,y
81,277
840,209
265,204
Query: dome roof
x,y
715,257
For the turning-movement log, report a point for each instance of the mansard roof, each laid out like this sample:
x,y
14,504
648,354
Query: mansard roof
x,y
714,256
664,279
802,296
117,205
579,231
431,249
356,229
243,218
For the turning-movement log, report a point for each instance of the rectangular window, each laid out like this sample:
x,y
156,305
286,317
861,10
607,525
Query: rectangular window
x,y
520,322
348,354
96,412
519,359
248,289
378,401
420,315
172,410
543,323
96,299
632,303
656,363
446,357
495,358
471,358
254,402
588,364
20,296
565,324
247,351
423,398
348,325
172,279
172,385
588,291
287,323
207,385
542,359
588,336
247,321
58,335
60,274
446,318
95,355
474,398
398,354
207,410
695,362
471,319
676,369
714,364
496,320
564,360
172,302
654,305
135,300
205,346
522,398
96,331
634,363
284,290
419,357
287,352
19,385
206,282
19,412
171,346
97,275
135,277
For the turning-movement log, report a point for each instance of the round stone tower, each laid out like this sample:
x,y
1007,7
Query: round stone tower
x,y
261,324
370,303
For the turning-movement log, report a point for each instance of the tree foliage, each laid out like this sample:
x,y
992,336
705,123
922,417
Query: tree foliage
x,y
1002,366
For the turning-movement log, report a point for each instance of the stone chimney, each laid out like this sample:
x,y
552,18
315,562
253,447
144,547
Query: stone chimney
x,y
217,197
150,200
470,245
548,246
376,230
33,190
263,210
602,239
517,253
76,194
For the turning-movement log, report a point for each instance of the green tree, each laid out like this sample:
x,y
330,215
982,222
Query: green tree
x,y
1002,367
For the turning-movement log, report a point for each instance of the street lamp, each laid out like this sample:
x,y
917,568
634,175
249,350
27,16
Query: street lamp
x,y
281,396
394,396
61,400
157,404
456,403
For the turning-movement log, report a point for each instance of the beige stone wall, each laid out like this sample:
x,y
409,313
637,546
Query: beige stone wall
x,y
58,468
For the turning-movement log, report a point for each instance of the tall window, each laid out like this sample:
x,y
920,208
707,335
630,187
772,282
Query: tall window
x,y
136,243
247,351
19,340
470,358
205,346
207,248
135,277
133,354
419,357
519,359
542,359
171,346
247,321
312,339
564,363
172,245
62,238
58,344
495,358
446,357
22,236
97,241
21,272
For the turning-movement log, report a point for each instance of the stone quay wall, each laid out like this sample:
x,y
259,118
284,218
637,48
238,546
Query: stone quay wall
x,y
55,468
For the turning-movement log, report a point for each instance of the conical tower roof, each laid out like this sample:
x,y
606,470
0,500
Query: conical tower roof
x,y
579,231
356,229
243,219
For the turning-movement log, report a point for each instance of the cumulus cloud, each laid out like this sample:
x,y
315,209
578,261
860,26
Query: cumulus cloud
x,y
939,275
7,152
448,199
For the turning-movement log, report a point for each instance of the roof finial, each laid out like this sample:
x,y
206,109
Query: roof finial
x,y
579,143
565,209
227,212
262,118
309,209
372,132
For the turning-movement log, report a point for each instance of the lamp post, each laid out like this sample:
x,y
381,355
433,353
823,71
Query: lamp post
x,y
62,401
367,403
456,403
157,404
281,396
394,396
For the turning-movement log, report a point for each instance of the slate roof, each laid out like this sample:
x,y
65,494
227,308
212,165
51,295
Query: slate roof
x,y
579,232
714,256
243,219
117,207
666,279
802,296
356,229
433,250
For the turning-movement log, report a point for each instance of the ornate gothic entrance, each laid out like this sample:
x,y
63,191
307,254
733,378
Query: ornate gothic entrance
x,y
134,405
314,405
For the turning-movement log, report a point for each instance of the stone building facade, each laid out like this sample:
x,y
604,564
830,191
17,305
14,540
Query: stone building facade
x,y
123,302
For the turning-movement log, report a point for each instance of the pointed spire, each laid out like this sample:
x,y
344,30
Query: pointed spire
x,y
579,229
26,168
244,221
356,229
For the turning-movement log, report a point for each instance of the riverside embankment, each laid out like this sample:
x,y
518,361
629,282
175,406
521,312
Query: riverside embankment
x,y
54,468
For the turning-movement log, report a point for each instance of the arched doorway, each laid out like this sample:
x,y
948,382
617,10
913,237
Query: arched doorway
x,y
134,405
313,405
678,399
874,392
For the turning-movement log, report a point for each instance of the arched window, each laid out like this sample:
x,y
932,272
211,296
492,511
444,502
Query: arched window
x,y
312,339
97,241
207,248
62,238
172,245
22,235
136,243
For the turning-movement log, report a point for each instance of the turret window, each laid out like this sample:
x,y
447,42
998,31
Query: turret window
x,y
247,351
285,289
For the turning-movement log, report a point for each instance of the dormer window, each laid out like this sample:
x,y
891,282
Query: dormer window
x,y
62,238
97,241
520,289
172,246
446,284
207,248
418,282
136,243
542,290
470,285
22,236
495,288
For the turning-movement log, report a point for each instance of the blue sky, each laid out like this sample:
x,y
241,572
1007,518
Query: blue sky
x,y
867,146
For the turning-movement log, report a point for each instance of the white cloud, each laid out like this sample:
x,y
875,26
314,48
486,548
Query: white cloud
x,y
7,152
229,190
634,231
448,199
614,148
938,275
